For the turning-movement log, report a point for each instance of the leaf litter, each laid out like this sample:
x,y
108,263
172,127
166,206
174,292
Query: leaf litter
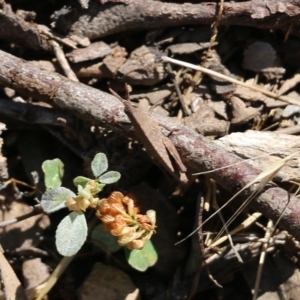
x,y
243,100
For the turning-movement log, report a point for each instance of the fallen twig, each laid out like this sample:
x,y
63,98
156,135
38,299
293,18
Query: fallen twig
x,y
60,55
230,79
148,14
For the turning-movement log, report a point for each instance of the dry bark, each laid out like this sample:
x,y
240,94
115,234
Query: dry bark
x,y
197,153
102,20
15,29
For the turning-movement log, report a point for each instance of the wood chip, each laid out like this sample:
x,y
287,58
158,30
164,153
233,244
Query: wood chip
x,y
142,68
251,144
187,48
94,51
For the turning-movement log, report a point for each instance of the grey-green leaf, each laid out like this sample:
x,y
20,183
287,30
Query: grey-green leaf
x,y
71,233
54,171
144,258
110,177
81,180
104,239
55,199
99,164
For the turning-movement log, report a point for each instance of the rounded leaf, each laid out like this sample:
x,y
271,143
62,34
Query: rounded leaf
x,y
54,171
81,180
55,199
99,164
71,233
104,239
110,177
142,259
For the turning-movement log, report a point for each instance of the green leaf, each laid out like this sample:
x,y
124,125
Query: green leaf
x,y
104,239
71,233
144,258
55,199
80,180
110,177
99,164
54,171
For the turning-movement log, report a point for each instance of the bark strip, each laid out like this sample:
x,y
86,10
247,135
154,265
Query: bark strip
x,y
14,29
103,20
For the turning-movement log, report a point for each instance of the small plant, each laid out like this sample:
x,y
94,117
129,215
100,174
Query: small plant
x,y
119,214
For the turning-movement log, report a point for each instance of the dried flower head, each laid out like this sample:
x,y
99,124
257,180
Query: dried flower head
x,y
120,217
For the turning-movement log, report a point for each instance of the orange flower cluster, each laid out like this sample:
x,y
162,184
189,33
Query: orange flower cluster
x,y
120,217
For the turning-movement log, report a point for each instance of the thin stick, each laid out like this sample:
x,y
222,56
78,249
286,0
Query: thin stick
x,y
262,259
60,55
228,234
35,211
180,97
262,179
202,250
230,79
246,223
199,75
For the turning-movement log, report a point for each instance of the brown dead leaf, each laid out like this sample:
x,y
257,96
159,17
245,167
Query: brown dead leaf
x,y
205,122
241,112
250,95
289,84
142,68
187,48
93,51
153,96
214,63
149,133
115,60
